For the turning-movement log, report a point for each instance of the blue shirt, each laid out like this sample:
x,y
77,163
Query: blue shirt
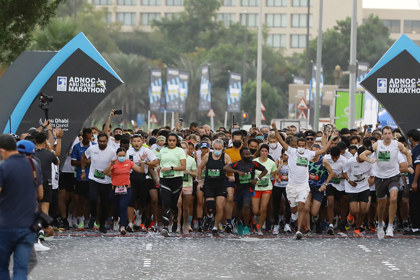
x,y
318,174
18,197
78,151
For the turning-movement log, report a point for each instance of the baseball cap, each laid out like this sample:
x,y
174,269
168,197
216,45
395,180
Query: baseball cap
x,y
25,146
161,138
204,145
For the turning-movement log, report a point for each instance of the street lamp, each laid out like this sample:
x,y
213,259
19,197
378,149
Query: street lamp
x,y
338,74
245,46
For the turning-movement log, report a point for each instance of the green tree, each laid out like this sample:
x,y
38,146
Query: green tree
x,y
18,20
55,35
270,97
372,42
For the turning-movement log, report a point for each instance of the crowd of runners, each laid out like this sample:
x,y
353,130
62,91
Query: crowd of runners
x,y
257,182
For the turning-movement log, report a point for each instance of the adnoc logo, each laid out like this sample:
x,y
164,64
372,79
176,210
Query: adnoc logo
x,y
381,85
61,83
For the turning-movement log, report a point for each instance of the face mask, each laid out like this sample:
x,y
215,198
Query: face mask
x,y
121,159
118,137
300,150
252,151
217,152
237,144
273,146
95,136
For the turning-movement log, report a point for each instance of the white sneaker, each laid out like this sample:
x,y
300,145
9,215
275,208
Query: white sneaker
x,y
295,216
380,232
276,229
299,235
390,231
260,232
287,228
39,247
178,230
117,224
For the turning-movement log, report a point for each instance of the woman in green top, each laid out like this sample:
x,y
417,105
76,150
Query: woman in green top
x,y
186,200
172,162
264,187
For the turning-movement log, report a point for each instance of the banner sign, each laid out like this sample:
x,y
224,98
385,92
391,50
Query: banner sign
x,y
205,89
183,89
234,93
362,71
76,80
155,89
342,108
172,90
395,82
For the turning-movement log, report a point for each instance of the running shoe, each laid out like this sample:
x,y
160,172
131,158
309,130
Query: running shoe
x,y
246,230
165,232
39,247
260,233
123,231
41,236
406,227
66,224
96,226
330,230
372,226
91,222
350,219
240,229
357,233
185,230
276,229
228,228
214,232
143,228
299,235
116,224
102,229
308,233
130,227
137,221
380,232
178,230
390,231
81,226
287,228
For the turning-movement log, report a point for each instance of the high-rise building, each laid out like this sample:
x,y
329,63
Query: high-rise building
x,y
286,20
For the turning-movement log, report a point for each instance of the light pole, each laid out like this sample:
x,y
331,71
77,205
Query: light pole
x,y
352,66
259,70
245,47
318,69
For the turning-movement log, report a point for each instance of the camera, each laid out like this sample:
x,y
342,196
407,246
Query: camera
x,y
41,221
117,112
44,101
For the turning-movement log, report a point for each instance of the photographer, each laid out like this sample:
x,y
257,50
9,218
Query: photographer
x,y
20,184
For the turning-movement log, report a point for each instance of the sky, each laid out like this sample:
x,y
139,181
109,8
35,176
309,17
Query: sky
x,y
392,4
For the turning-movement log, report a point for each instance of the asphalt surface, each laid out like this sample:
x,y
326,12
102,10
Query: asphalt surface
x,y
89,255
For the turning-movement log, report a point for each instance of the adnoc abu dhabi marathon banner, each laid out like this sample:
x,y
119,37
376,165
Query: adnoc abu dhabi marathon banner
x,y
172,90
155,89
234,93
77,79
205,89
395,82
183,90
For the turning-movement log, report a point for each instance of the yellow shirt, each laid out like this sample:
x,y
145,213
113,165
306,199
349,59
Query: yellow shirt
x,y
234,155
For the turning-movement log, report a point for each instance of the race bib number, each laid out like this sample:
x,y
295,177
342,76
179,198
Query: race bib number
x,y
169,173
120,190
185,177
213,173
384,156
284,177
203,174
99,174
246,179
301,161
263,182
313,177
359,178
335,180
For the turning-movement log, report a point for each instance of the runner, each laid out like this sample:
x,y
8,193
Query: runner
x,y
119,170
245,181
214,183
358,175
335,190
98,156
279,194
172,161
387,176
264,187
298,187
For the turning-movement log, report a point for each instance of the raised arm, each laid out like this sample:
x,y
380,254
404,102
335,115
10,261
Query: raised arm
x,y
365,155
278,136
326,147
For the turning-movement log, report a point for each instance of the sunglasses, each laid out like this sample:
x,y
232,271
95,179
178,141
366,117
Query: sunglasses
x,y
310,138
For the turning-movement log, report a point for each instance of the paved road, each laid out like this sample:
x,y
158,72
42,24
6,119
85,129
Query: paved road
x,y
227,257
